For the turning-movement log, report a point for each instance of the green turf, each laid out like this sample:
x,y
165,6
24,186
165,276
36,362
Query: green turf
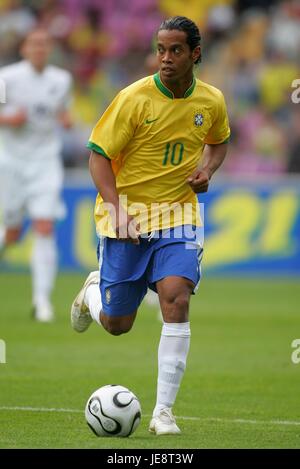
x,y
239,388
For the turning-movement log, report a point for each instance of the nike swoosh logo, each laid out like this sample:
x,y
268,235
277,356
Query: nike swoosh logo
x,y
149,121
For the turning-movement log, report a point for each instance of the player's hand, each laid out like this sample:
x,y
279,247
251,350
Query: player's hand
x,y
126,227
17,120
199,180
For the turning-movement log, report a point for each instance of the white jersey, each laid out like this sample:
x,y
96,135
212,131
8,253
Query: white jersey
x,y
42,96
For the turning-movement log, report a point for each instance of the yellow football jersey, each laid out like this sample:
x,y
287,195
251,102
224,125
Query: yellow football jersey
x,y
155,142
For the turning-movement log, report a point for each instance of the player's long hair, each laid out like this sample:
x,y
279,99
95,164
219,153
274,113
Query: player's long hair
x,y
182,23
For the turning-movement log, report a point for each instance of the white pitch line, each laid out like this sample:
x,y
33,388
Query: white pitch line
x,y
251,421
42,409
207,419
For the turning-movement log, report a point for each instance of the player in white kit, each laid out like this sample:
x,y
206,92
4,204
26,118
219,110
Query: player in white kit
x,y
31,169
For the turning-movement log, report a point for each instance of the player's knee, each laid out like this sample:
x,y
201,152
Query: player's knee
x,y
181,303
114,329
180,300
176,306
116,325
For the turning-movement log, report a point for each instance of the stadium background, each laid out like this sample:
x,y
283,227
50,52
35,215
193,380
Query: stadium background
x,y
241,387
251,51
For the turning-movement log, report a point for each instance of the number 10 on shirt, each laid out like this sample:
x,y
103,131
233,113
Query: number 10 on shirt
x,y
173,154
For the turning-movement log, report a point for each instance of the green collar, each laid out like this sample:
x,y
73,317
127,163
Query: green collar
x,y
169,93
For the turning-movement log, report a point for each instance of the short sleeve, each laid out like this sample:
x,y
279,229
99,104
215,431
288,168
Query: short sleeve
x,y
115,128
219,131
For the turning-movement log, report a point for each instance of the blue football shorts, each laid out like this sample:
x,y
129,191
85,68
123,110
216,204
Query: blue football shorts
x,y
128,270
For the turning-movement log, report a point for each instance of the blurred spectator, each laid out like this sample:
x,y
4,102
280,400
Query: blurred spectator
x,y
275,81
284,33
89,43
220,21
293,164
242,5
151,64
197,11
15,23
53,16
15,18
260,145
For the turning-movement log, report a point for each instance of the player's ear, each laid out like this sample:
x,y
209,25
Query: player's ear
x,y
196,54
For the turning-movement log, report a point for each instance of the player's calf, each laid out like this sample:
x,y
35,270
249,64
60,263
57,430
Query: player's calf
x,y
174,295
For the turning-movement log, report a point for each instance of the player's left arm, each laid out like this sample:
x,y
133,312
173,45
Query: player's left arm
x,y
216,144
213,157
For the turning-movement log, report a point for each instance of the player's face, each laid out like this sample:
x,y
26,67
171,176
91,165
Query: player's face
x,y
176,60
37,48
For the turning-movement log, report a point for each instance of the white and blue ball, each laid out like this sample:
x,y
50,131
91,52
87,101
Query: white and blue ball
x,y
113,410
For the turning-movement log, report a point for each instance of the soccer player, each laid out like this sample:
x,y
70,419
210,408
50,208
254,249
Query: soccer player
x,y
31,170
147,156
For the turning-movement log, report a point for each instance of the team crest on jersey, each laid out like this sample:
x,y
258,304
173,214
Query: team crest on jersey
x,y
107,295
198,119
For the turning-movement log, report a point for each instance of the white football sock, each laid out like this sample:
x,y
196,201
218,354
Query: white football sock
x,y
44,267
92,299
172,354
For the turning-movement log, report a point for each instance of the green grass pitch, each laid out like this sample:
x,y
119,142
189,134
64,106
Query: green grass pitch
x,y
240,389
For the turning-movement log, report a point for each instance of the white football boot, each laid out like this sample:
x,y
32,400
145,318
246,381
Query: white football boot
x,y
80,314
164,423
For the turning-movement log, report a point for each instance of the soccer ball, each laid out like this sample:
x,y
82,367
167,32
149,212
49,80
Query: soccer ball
x,y
113,410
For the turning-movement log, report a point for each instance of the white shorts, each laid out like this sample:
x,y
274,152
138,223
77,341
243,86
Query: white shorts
x,y
32,189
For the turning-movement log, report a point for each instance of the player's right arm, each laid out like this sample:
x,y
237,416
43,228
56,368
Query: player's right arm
x,y
105,181
109,137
